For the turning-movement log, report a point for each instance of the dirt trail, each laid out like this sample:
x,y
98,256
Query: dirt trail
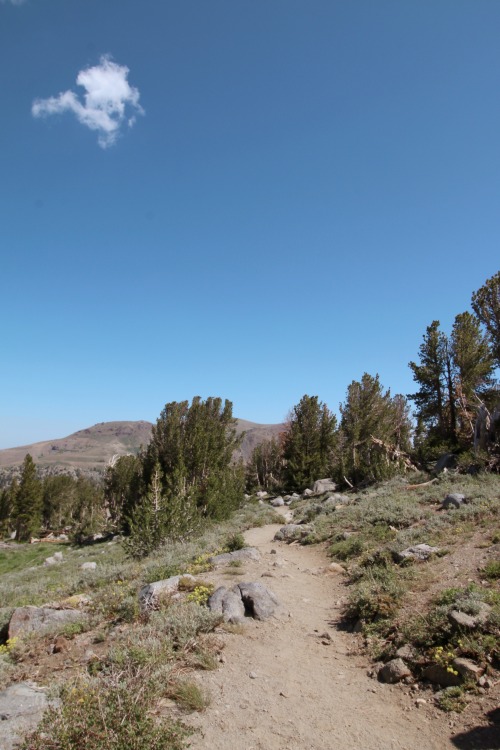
x,y
284,687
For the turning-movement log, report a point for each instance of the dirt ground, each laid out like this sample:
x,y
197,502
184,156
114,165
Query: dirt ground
x,y
296,682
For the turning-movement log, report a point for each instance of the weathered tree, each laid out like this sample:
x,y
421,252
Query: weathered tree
x,y
375,431
266,466
308,443
472,372
122,489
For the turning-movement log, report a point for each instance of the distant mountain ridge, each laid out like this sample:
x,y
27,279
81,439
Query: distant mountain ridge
x,y
93,447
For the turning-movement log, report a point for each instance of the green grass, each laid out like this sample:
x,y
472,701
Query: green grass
x,y
22,556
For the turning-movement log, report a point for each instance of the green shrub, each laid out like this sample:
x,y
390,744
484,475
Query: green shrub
x,y
235,542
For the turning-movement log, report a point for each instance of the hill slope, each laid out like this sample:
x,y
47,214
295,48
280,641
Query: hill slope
x,y
93,447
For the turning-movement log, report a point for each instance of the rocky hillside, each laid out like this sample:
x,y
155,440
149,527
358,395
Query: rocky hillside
x,y
93,447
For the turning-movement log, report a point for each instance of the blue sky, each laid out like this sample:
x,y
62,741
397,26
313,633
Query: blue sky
x,y
255,200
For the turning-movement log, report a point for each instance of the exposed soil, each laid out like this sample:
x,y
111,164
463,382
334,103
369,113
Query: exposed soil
x,y
297,682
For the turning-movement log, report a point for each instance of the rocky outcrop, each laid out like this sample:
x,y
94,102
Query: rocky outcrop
x,y
246,599
417,552
38,619
292,532
149,594
21,708
321,486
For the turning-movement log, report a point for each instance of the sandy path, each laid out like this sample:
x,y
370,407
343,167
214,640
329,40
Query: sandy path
x,y
281,688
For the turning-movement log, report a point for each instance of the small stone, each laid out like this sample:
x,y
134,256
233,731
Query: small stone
x,y
420,702
252,675
468,669
88,566
394,671
417,552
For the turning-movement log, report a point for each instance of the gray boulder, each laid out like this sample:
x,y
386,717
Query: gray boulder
x,y
454,500
277,502
394,671
215,600
233,607
292,532
148,595
468,669
39,619
417,552
245,554
337,499
21,708
462,621
259,601
307,493
88,566
321,486
261,494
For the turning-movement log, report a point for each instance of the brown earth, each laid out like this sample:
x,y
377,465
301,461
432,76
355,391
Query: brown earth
x,y
296,682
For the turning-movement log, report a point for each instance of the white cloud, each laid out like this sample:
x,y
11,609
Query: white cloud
x,y
107,99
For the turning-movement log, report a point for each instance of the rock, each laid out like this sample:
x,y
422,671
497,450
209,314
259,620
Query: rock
x,y
407,652
51,560
245,554
21,708
63,538
259,601
261,494
337,499
88,566
417,552
394,671
321,486
440,675
37,619
292,532
454,500
468,669
277,502
463,621
149,594
215,600
233,608
307,493
295,496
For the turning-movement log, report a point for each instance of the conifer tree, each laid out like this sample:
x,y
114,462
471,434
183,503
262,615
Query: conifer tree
x,y
375,430
308,443
266,466
433,375
486,305
28,508
472,367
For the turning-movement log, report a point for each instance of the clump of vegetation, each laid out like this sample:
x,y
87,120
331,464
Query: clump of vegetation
x,y
451,699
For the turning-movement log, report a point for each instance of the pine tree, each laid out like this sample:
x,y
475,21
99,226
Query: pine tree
x,y
375,430
148,519
486,305
308,443
473,367
28,508
266,466
434,377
